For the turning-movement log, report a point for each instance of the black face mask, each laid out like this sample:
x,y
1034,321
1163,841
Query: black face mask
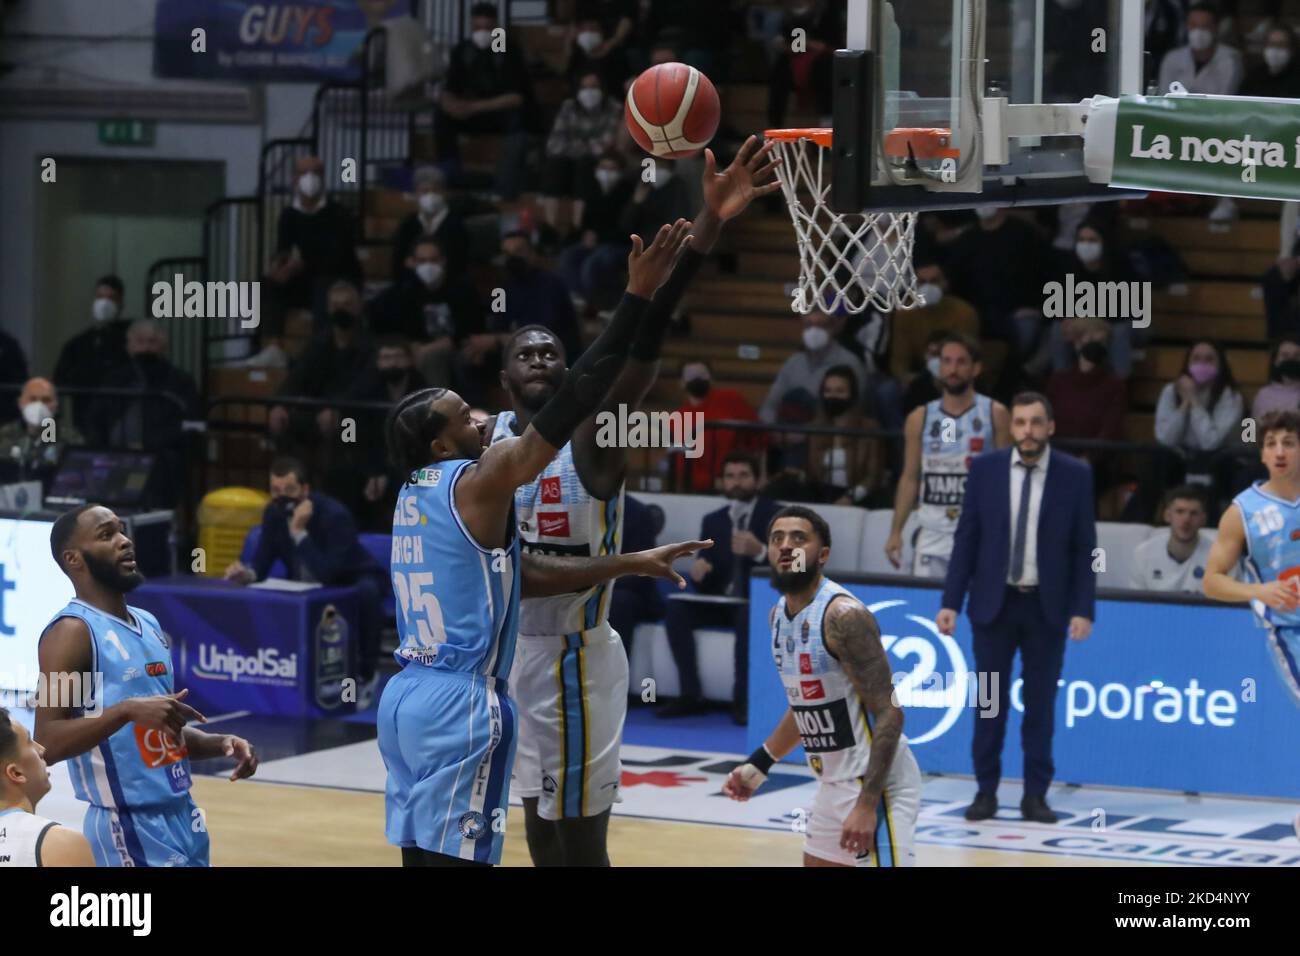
x,y
1290,368
1094,352
698,387
835,407
391,375
342,320
285,503
517,267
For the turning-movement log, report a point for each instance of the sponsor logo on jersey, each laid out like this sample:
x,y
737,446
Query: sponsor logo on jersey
x,y
812,690
158,749
805,663
553,524
976,445
824,728
815,762
156,668
803,637
551,491
473,825
130,674
942,489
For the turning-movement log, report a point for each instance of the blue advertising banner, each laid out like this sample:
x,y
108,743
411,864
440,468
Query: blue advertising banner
x,y
1162,695
273,653
269,40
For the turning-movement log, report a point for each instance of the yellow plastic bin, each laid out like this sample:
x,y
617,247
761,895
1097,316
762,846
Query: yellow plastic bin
x,y
225,516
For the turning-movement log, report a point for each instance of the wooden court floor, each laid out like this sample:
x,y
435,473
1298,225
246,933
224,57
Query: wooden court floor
x,y
267,824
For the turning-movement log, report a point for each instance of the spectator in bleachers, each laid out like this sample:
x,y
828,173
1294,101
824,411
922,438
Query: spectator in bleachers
x,y
666,199
317,237
533,296
843,470
1200,410
13,371
1173,559
486,92
89,355
913,330
594,266
584,130
32,446
925,386
433,217
799,381
1283,388
1089,399
431,305
697,475
599,39
316,539
1165,25
701,32
637,599
1096,258
1278,73
806,74
738,531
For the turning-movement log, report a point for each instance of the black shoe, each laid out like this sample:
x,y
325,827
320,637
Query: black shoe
x,y
682,707
740,714
984,806
1036,810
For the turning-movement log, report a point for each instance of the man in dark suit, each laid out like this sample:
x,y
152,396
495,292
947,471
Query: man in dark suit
x,y
738,532
1024,551
316,538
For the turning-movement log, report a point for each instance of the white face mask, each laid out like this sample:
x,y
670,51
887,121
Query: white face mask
x,y
608,178
481,38
932,365
430,273
590,98
986,212
815,338
1087,251
589,40
35,412
931,293
104,310
1277,58
309,185
431,203
1200,39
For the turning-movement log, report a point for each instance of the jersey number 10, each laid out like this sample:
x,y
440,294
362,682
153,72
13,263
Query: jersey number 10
x,y
420,609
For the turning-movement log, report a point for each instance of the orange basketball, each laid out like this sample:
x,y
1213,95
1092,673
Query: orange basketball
x,y
672,110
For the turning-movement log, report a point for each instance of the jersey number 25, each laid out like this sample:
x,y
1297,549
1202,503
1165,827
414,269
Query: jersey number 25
x,y
420,609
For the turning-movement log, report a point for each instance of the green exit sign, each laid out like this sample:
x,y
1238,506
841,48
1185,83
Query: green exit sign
x,y
126,132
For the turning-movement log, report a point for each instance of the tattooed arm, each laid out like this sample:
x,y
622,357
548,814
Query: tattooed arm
x,y
852,635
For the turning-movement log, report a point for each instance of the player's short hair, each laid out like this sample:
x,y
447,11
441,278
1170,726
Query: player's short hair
x,y
1030,398
113,282
1187,493
288,465
807,514
8,739
534,327
1279,420
483,10
1204,6
65,525
971,346
411,427
741,456
845,372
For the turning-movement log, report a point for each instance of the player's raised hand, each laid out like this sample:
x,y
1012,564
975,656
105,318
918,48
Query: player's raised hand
x,y
743,781
1279,595
729,193
165,713
658,562
649,266
238,748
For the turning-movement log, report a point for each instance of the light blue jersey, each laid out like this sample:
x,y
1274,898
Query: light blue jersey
x,y
137,781
458,602
1272,527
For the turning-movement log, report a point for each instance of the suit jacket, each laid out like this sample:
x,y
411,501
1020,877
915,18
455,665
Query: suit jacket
x,y
332,552
717,525
1067,535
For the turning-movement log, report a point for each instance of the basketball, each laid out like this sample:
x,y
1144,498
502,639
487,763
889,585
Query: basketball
x,y
672,110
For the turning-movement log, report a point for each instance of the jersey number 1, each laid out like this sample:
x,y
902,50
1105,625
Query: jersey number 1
x,y
420,609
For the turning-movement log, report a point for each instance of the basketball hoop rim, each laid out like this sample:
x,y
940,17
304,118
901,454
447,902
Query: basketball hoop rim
x,y
820,135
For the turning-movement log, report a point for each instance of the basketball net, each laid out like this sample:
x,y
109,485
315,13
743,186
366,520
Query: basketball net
x,y
847,261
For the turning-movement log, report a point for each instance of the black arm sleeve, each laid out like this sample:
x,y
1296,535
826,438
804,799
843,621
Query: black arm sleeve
x,y
592,376
650,333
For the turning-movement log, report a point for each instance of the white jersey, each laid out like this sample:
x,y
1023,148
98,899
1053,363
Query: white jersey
x,y
948,443
1155,570
557,515
21,834
834,726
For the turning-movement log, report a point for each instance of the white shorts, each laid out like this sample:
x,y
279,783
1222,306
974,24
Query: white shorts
x,y
895,818
932,552
571,695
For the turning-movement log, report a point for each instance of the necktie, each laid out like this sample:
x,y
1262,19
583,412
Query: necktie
x,y
1022,519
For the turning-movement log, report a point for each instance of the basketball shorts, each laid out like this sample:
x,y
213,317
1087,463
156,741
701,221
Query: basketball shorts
x,y
1284,647
171,835
932,551
572,696
895,817
447,739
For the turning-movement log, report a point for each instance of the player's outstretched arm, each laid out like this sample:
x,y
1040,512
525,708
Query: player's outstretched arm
x,y
1219,584
64,846
547,574
205,746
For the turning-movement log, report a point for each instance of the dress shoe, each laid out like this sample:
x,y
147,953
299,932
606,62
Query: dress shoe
x,y
1036,810
682,707
984,806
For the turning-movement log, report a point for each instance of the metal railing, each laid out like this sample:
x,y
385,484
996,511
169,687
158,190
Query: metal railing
x,y
230,253
185,337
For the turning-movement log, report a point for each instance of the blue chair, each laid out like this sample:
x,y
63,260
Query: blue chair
x,y
278,570
380,547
